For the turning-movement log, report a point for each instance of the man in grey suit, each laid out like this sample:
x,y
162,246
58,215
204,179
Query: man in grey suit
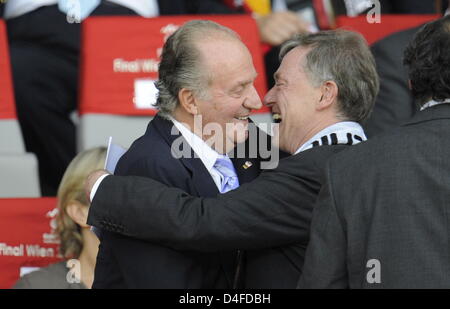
x,y
387,224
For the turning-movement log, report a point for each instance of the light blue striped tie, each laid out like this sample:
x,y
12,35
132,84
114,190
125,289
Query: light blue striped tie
x,y
229,179
77,10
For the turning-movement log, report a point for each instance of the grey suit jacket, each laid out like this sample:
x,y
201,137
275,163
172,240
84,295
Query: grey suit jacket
x,y
384,211
50,277
273,211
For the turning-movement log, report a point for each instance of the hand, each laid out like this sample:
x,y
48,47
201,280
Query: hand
x,y
91,180
279,27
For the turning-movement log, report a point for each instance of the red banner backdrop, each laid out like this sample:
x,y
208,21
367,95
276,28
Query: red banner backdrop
x,y
27,237
7,107
118,51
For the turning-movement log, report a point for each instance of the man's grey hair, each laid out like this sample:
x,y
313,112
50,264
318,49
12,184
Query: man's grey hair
x,y
343,57
181,66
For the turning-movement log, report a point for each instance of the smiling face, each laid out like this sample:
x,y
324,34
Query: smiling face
x,y
294,99
231,95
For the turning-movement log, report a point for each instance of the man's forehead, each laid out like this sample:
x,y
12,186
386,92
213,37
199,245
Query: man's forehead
x,y
293,60
218,42
222,54
244,80
297,54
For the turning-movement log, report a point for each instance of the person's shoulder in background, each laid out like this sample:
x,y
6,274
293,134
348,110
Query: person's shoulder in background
x,y
53,276
394,103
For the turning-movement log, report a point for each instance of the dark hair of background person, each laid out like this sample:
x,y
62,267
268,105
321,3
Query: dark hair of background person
x,y
427,59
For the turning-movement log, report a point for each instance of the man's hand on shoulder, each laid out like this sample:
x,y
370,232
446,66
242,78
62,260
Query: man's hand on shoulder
x,y
91,181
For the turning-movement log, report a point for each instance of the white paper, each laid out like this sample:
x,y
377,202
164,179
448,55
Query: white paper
x,y
24,270
114,153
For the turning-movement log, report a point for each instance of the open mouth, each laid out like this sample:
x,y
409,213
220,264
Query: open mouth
x,y
276,118
243,118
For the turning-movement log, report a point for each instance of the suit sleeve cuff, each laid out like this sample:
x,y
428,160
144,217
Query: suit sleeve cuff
x,y
96,185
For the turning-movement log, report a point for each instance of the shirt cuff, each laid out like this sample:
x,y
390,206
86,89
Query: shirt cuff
x,y
96,185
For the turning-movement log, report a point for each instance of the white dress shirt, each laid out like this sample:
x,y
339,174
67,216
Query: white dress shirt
x,y
206,154
434,103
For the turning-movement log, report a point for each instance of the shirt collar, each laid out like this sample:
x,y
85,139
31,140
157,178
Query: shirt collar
x,y
340,129
433,103
206,154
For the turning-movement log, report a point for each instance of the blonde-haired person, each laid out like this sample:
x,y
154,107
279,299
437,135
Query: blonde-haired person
x,y
77,240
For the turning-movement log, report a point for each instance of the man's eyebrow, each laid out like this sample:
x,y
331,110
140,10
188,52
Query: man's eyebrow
x,y
277,76
249,81
245,82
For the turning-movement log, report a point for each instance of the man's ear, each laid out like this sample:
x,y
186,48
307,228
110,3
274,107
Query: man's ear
x,y
78,212
329,95
187,101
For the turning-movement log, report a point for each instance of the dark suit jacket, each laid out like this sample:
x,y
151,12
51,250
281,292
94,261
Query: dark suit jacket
x,y
127,262
394,104
273,211
389,200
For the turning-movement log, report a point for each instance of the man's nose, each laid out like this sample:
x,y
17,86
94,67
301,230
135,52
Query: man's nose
x,y
253,101
269,98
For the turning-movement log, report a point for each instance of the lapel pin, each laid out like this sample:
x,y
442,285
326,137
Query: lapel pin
x,y
247,165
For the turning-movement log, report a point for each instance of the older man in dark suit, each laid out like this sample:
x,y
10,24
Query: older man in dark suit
x,y
387,224
205,72
325,85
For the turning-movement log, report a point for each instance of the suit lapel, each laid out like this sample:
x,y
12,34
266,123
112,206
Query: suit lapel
x,y
246,169
201,179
